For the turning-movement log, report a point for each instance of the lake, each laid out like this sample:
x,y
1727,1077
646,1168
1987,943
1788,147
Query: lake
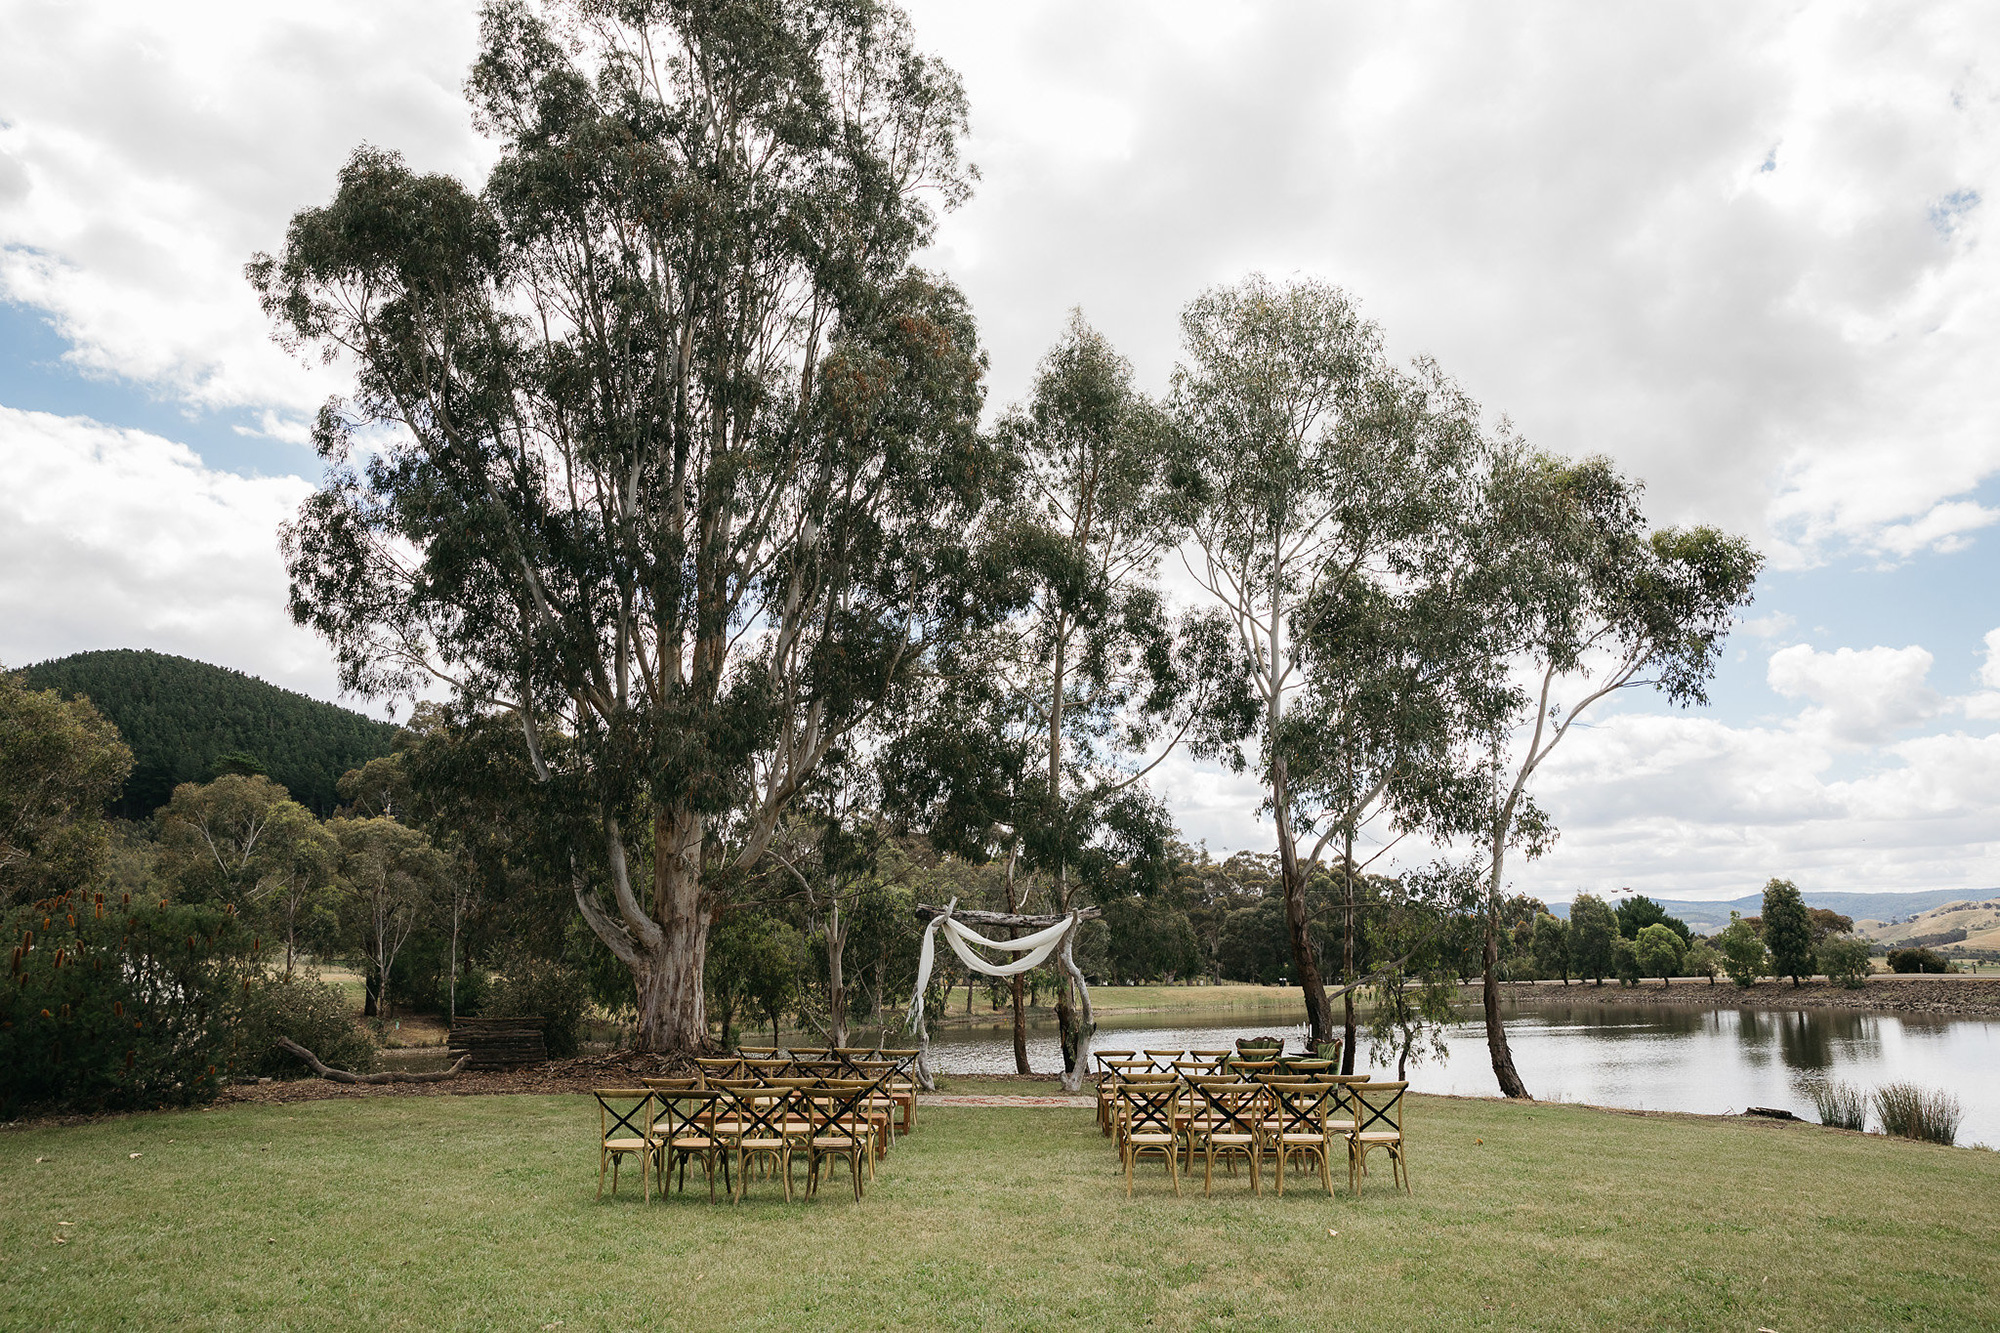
x,y
1664,1058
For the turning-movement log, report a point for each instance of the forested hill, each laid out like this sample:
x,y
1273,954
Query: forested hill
x,y
186,721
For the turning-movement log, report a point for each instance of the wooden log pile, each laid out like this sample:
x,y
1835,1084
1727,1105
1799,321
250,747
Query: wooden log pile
x,y
500,1043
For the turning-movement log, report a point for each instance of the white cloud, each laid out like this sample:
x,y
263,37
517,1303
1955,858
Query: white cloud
x,y
1860,698
146,151
114,538
1567,207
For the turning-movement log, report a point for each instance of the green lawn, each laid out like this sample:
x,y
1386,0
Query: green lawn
x,y
476,1212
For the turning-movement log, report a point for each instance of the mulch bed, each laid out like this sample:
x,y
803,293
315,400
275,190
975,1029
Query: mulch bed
x,y
581,1074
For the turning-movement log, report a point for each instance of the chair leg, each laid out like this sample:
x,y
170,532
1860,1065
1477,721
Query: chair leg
x,y
1281,1171
601,1154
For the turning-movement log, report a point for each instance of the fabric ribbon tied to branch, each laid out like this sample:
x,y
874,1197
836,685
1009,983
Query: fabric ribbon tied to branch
x,y
1035,949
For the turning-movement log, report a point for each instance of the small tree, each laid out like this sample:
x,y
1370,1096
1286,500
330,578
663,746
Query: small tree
x,y
1845,961
1702,961
1637,913
393,879
1625,961
1592,928
1787,930
1743,954
1552,946
1657,950
60,761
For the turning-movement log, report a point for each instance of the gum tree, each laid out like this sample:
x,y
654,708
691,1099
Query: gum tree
x,y
1599,602
1336,507
661,448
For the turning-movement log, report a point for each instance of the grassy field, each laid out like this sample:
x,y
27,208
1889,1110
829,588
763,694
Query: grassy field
x,y
477,1212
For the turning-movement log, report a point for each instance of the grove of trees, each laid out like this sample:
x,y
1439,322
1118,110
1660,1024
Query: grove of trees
x,y
667,479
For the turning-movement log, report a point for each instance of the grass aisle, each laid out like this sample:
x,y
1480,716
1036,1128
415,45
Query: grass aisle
x,y
476,1212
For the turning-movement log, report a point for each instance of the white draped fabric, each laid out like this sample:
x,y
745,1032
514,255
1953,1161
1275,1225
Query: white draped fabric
x,y
1036,948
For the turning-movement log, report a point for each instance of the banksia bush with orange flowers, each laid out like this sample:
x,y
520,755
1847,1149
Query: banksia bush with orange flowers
x,y
139,1027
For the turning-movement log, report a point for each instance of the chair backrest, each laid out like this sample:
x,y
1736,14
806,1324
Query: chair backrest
x,y
1195,1068
1301,1108
1222,1054
759,1112
1298,1065
757,1052
810,1052
1249,1069
671,1084
1228,1107
624,1112
903,1058
1104,1057
840,1103
716,1069
766,1070
1164,1058
1378,1107
1148,1108
686,1112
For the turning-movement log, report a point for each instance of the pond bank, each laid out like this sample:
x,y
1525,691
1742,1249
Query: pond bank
x,y
1961,996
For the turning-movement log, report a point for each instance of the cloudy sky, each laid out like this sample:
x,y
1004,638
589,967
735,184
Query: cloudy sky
x,y
1743,248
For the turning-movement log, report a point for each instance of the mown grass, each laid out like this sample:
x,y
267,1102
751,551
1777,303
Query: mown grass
x,y
477,1212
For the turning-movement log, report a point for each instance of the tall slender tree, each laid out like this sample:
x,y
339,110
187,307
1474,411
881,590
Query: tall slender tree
x,y
1600,603
1336,502
672,453
1078,695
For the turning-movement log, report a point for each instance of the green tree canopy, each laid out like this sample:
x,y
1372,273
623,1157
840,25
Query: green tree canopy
x,y
1787,930
60,763
678,463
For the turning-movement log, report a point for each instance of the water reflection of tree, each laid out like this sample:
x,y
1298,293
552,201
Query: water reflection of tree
x,y
1806,1040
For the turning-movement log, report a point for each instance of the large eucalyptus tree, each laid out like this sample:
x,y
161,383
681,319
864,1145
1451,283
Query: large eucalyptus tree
x,y
1338,508
660,445
1035,750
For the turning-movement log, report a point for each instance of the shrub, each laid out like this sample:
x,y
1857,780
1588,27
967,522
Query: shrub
x,y
528,986
1915,960
117,1006
1918,1113
310,1012
1625,961
1744,957
1842,1105
1845,961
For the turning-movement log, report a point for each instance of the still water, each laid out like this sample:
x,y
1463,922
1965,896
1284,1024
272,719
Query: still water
x,y
1666,1058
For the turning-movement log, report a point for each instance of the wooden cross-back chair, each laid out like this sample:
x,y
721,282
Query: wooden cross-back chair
x,y
1113,1066
1164,1059
1148,1116
811,1052
1296,1125
765,1069
685,1129
720,1068
1377,1123
1104,1058
624,1129
902,1095
1140,1074
1220,1053
904,1081
757,1052
843,1129
1226,1117
757,1124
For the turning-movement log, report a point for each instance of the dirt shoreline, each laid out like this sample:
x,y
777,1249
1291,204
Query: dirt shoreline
x,y
1948,996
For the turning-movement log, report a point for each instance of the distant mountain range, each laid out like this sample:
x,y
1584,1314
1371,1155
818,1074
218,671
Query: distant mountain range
x,y
1707,917
186,721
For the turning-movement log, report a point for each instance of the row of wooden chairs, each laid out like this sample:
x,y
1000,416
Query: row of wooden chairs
x,y
1177,1118
741,1123
1192,1064
889,1068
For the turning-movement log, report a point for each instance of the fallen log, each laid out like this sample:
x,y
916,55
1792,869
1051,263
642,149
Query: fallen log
x,y
1770,1112
386,1076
